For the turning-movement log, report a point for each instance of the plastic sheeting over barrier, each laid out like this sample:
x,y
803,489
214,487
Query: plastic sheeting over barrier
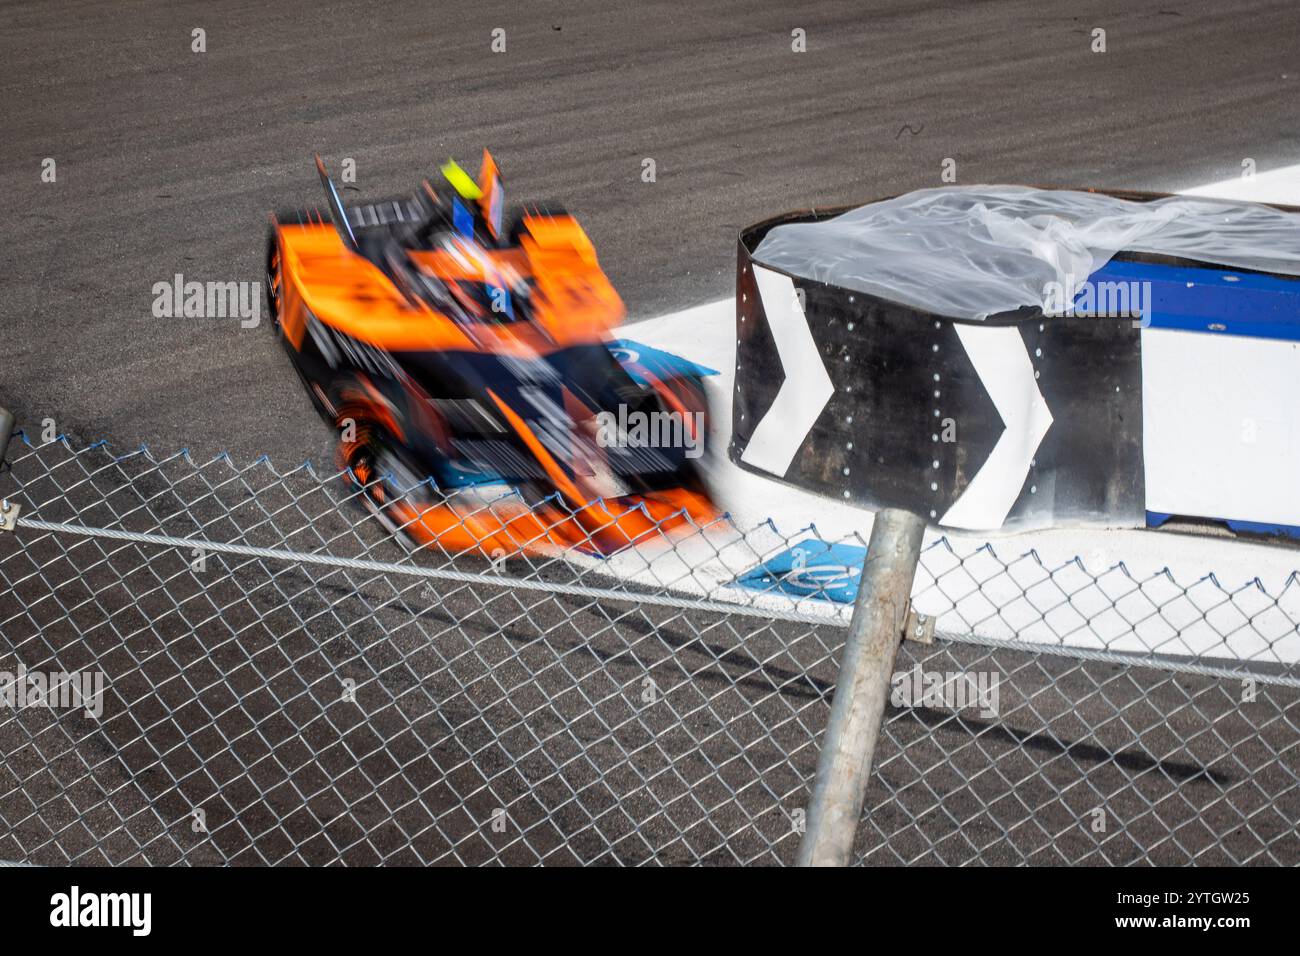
x,y
1018,420
973,251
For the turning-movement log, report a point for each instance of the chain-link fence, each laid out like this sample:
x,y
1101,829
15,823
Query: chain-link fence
x,y
215,663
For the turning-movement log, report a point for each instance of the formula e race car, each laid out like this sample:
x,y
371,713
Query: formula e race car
x,y
461,352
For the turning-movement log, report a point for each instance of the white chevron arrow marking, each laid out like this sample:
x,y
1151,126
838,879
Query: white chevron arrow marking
x,y
806,389
1002,363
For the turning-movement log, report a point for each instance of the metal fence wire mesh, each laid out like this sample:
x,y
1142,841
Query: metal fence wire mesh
x,y
286,681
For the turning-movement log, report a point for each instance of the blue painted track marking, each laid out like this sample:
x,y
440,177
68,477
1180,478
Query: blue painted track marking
x,y
658,362
815,569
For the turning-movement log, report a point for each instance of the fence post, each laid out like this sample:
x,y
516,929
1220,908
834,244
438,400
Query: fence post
x,y
875,631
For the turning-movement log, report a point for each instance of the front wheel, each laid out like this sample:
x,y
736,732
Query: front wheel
x,y
274,279
385,470
380,467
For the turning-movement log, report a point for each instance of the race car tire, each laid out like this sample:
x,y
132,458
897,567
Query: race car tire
x,y
274,272
274,279
689,391
378,465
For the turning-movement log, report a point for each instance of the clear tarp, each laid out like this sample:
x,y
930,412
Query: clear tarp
x,y
973,251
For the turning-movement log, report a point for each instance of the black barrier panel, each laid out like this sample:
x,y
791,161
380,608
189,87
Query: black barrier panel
x,y
915,405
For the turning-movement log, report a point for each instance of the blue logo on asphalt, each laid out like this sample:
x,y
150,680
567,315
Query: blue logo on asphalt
x,y
658,362
815,569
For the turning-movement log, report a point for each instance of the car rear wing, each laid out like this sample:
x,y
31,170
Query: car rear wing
x,y
338,215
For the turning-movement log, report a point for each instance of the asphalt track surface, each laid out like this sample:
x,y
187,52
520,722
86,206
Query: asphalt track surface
x,y
168,161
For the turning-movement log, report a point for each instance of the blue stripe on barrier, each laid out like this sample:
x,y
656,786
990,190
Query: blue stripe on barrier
x,y
1213,299
1155,519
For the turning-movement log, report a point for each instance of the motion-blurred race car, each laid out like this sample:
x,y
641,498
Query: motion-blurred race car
x,y
458,350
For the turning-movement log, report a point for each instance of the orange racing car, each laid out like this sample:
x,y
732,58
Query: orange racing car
x,y
466,358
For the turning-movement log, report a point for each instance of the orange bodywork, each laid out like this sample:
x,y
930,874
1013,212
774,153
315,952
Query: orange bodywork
x,y
574,300
505,529
573,303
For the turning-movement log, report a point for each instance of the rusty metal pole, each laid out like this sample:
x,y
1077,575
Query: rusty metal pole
x,y
875,632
